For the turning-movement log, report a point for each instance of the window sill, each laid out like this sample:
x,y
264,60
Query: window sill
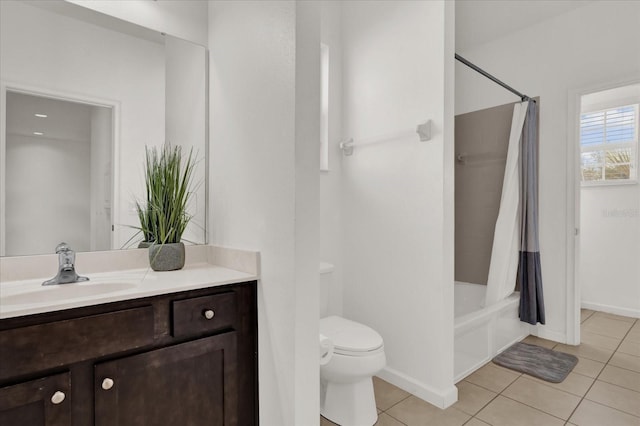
x,y
599,184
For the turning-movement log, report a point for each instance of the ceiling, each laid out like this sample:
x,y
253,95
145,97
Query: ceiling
x,y
482,21
65,120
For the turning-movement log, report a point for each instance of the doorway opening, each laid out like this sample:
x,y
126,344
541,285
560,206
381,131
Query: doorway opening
x,y
57,170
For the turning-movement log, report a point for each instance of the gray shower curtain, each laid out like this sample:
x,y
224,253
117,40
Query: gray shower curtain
x,y
529,271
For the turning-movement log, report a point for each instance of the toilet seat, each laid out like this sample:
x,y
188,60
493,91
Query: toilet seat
x,y
351,338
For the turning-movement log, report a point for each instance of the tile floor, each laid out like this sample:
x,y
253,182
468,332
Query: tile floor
x,y
602,390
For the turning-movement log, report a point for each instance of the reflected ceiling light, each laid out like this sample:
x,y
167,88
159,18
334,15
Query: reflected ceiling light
x,y
38,133
41,115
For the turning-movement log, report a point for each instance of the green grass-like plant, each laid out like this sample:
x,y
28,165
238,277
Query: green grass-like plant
x,y
168,183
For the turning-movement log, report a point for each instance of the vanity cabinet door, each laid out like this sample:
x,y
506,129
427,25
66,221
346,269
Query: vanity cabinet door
x,y
42,402
193,383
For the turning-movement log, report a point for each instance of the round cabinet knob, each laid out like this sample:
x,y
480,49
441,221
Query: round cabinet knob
x,y
107,383
58,397
208,314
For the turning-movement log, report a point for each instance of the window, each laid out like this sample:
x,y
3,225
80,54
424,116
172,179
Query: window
x,y
609,145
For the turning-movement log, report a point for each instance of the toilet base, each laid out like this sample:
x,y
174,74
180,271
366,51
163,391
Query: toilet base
x,y
350,404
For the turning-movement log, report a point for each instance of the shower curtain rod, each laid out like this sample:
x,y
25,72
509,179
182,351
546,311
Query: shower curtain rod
x,y
476,68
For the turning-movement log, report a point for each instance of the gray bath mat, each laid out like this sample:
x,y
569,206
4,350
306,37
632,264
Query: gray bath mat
x,y
545,364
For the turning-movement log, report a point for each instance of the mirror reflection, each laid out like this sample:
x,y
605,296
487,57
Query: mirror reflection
x,y
82,95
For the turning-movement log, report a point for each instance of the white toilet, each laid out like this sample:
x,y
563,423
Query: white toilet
x,y
350,354
346,386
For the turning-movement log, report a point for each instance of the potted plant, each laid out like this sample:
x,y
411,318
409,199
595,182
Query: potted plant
x,y
144,215
163,220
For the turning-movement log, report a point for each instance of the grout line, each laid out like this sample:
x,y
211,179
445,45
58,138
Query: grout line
x,y
538,409
393,405
550,384
566,422
620,386
611,408
622,368
398,420
581,398
485,405
600,373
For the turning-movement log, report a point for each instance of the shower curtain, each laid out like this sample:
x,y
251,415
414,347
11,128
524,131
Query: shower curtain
x,y
529,269
515,256
503,268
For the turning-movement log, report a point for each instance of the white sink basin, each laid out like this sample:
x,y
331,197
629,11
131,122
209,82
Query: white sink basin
x,y
62,292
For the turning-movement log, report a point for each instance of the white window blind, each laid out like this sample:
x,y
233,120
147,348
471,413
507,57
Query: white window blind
x,y
609,145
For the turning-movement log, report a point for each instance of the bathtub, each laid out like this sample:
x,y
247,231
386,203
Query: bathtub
x,y
482,332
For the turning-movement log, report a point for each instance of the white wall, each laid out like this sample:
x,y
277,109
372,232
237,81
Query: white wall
x,y
112,67
47,193
101,177
398,196
331,230
610,230
186,119
186,19
550,60
264,183
610,248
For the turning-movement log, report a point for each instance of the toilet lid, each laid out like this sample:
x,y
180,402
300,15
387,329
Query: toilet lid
x,y
350,336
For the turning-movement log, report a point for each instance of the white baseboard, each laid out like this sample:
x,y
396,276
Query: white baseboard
x,y
625,312
441,399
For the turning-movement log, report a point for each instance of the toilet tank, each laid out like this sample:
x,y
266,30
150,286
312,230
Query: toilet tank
x,y
326,274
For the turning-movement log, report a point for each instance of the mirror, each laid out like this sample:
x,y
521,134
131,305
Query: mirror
x,y
82,94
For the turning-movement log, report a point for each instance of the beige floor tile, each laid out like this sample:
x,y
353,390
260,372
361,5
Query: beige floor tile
x,y
471,398
634,334
588,367
575,384
621,377
599,340
476,422
590,413
415,412
503,411
584,350
614,316
585,313
534,394
387,394
615,397
534,340
627,361
492,377
387,420
630,347
606,326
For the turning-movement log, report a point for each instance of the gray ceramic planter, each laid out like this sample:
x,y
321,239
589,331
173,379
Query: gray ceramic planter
x,y
166,257
145,244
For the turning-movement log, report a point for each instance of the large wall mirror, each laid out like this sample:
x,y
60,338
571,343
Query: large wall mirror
x,y
82,94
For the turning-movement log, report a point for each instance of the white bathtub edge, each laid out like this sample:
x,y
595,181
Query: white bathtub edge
x,y
482,334
462,323
487,360
441,399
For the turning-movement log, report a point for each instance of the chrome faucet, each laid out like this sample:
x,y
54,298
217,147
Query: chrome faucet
x,y
66,268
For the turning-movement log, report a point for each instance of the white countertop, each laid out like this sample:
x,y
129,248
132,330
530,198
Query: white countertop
x,y
29,296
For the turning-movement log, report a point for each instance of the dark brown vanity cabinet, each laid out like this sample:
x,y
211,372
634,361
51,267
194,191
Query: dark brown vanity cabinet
x,y
179,359
37,402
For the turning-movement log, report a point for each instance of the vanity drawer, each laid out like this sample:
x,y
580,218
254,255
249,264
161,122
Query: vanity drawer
x,y
39,347
203,314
